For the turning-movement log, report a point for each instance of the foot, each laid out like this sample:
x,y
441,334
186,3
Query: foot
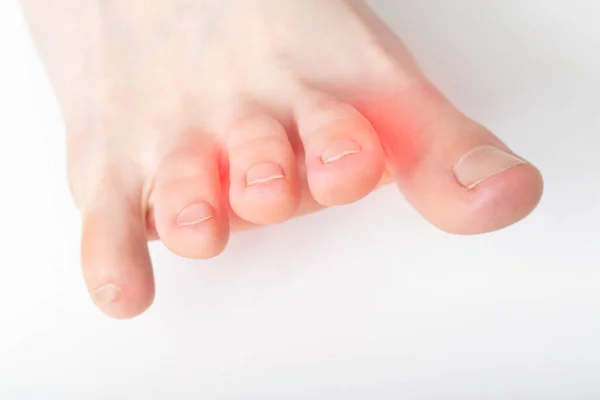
x,y
189,118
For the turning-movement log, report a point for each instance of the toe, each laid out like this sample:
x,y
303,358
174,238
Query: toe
x,y
264,187
455,172
115,259
344,157
189,213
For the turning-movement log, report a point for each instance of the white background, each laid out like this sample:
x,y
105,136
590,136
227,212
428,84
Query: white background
x,y
361,302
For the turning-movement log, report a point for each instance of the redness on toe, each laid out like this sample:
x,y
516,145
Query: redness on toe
x,y
195,214
338,150
264,173
396,123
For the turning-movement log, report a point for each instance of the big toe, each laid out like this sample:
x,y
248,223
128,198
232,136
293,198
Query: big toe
x,y
455,172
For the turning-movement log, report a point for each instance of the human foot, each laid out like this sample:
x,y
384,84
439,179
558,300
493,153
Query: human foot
x,y
186,118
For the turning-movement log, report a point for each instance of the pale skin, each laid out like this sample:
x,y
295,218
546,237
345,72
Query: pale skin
x,y
188,119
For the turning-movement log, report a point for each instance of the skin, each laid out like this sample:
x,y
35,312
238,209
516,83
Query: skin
x,y
251,113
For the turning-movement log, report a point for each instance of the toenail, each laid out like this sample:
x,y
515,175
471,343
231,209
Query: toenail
x,y
339,150
195,214
482,163
106,294
264,173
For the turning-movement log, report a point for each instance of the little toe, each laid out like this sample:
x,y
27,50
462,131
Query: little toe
x,y
264,187
344,157
114,252
189,213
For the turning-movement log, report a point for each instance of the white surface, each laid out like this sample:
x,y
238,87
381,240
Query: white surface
x,y
360,302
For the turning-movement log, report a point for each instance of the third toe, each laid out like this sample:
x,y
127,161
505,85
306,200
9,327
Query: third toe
x,y
264,187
